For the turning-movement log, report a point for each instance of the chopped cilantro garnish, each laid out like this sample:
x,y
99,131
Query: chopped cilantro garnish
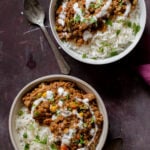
x,y
68,96
113,53
53,146
109,22
20,113
127,23
106,44
101,50
118,32
84,56
92,120
41,141
120,2
81,140
77,18
25,135
36,114
96,5
92,5
31,126
92,20
27,146
94,58
136,28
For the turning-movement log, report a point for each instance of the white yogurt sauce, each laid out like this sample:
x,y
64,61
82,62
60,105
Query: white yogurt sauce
x,y
104,9
78,11
128,9
80,124
54,117
60,103
49,95
35,104
62,15
87,35
67,137
60,91
92,132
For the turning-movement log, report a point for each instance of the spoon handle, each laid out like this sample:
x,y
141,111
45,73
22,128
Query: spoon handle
x,y
63,65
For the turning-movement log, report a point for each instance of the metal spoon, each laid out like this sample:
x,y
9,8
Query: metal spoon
x,y
35,14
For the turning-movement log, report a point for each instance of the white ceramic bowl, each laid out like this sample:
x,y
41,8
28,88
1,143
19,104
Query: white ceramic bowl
x,y
98,61
17,104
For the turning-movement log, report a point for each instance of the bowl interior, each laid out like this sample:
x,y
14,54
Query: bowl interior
x,y
81,84
53,5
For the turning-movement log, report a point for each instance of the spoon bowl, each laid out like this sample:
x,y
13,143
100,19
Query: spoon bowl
x,y
34,12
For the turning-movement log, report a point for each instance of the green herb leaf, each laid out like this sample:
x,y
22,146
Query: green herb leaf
x,y
94,58
84,56
127,23
68,97
41,141
31,126
20,113
136,28
113,53
118,32
92,20
27,146
36,114
106,44
77,18
92,120
101,50
81,140
120,2
25,135
53,146
109,22
92,5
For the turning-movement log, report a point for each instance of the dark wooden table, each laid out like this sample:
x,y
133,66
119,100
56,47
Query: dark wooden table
x,y
25,55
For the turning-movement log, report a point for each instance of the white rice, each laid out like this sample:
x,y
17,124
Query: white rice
x,y
25,124
103,43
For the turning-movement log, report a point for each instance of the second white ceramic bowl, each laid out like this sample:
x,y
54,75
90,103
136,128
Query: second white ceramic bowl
x,y
78,57
17,104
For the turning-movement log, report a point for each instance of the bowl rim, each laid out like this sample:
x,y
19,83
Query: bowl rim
x,y
109,60
53,77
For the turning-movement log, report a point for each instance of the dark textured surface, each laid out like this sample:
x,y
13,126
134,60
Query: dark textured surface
x,y
25,55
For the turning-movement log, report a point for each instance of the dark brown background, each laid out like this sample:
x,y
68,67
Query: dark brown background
x,y
25,55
